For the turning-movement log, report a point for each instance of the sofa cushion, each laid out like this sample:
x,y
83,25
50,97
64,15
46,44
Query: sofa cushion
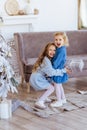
x,y
76,58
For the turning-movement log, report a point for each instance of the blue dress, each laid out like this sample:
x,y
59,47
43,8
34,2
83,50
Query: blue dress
x,y
38,78
58,62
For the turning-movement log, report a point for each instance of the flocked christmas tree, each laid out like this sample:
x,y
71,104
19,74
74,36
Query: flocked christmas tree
x,y
8,83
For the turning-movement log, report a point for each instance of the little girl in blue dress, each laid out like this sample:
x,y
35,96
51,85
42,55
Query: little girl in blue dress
x,y
58,62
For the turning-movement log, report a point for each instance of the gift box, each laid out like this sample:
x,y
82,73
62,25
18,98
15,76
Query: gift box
x,y
5,109
76,65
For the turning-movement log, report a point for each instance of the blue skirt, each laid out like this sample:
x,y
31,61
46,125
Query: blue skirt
x,y
39,82
61,79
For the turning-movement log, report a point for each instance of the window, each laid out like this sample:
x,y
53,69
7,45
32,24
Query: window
x,y
82,14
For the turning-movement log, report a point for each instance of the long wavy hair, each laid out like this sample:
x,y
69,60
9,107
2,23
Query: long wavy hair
x,y
65,37
42,55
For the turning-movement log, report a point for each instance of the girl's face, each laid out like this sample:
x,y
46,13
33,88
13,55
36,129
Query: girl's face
x,y
59,41
51,51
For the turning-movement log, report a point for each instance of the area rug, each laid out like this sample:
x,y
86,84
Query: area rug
x,y
74,101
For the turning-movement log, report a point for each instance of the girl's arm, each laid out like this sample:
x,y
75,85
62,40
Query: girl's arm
x,y
49,70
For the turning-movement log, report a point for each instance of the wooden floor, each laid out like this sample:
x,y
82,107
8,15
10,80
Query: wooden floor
x,y
72,120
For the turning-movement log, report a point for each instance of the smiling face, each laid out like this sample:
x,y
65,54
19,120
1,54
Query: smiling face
x,y
51,51
59,41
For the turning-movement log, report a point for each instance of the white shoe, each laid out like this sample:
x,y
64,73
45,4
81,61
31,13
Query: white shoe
x,y
56,104
64,101
40,104
48,100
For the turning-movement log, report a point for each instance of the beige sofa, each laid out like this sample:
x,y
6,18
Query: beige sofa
x,y
30,44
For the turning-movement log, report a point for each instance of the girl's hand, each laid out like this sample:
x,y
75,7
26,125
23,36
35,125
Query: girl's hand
x,y
68,70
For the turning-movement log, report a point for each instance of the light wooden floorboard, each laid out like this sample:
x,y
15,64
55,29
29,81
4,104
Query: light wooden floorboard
x,y
71,120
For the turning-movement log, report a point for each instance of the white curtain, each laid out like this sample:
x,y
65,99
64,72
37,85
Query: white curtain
x,y
83,13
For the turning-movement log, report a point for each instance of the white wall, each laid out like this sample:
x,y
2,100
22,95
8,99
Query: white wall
x,y
57,15
54,15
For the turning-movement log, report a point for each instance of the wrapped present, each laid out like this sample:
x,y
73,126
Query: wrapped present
x,y
5,109
76,65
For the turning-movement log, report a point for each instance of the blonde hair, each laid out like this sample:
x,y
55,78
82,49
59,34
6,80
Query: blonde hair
x,y
65,37
42,55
